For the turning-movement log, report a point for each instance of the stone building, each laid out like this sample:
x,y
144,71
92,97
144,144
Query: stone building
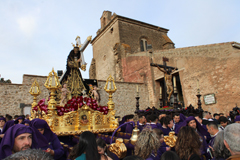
x,y
125,48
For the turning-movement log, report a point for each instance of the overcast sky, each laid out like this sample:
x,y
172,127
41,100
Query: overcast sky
x,y
36,35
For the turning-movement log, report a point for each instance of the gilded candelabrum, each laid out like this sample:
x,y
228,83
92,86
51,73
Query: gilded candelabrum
x,y
34,91
52,83
110,88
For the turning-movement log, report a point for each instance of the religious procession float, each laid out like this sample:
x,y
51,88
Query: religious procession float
x,y
73,106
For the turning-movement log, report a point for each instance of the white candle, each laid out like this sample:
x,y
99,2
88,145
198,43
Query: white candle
x,y
35,89
197,84
137,88
110,85
174,81
160,90
53,81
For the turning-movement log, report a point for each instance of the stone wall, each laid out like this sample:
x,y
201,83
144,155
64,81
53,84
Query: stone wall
x,y
14,94
124,98
217,68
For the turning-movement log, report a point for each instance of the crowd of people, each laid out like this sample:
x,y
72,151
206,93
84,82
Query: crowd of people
x,y
199,137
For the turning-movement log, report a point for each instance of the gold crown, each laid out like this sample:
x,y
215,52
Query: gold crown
x,y
78,43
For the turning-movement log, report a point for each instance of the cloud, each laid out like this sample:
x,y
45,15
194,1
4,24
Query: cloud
x,y
27,25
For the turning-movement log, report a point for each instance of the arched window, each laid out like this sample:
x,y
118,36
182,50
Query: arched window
x,y
143,44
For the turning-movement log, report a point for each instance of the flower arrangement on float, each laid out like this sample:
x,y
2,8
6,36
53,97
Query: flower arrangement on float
x,y
73,105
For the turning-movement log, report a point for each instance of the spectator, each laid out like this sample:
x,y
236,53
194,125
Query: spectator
x,y
223,123
220,152
47,139
170,155
129,126
27,116
2,123
26,122
147,143
103,150
232,140
206,116
8,117
19,120
221,114
213,130
176,119
30,154
198,119
141,122
168,125
237,119
188,144
216,117
163,148
15,117
161,116
7,125
126,119
208,136
152,121
133,158
86,149
17,138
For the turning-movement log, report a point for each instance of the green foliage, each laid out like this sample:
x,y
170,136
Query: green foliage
x,y
5,81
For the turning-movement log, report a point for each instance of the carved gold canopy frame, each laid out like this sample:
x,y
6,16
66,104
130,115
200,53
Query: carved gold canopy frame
x,y
71,123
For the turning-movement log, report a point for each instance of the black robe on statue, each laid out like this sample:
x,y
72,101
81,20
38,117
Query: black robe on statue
x,y
73,76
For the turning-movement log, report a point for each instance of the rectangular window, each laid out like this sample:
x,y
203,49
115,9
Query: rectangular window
x,y
141,45
146,46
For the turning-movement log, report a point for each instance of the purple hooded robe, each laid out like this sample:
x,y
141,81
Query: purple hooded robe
x,y
26,121
17,120
9,139
237,118
48,139
7,125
